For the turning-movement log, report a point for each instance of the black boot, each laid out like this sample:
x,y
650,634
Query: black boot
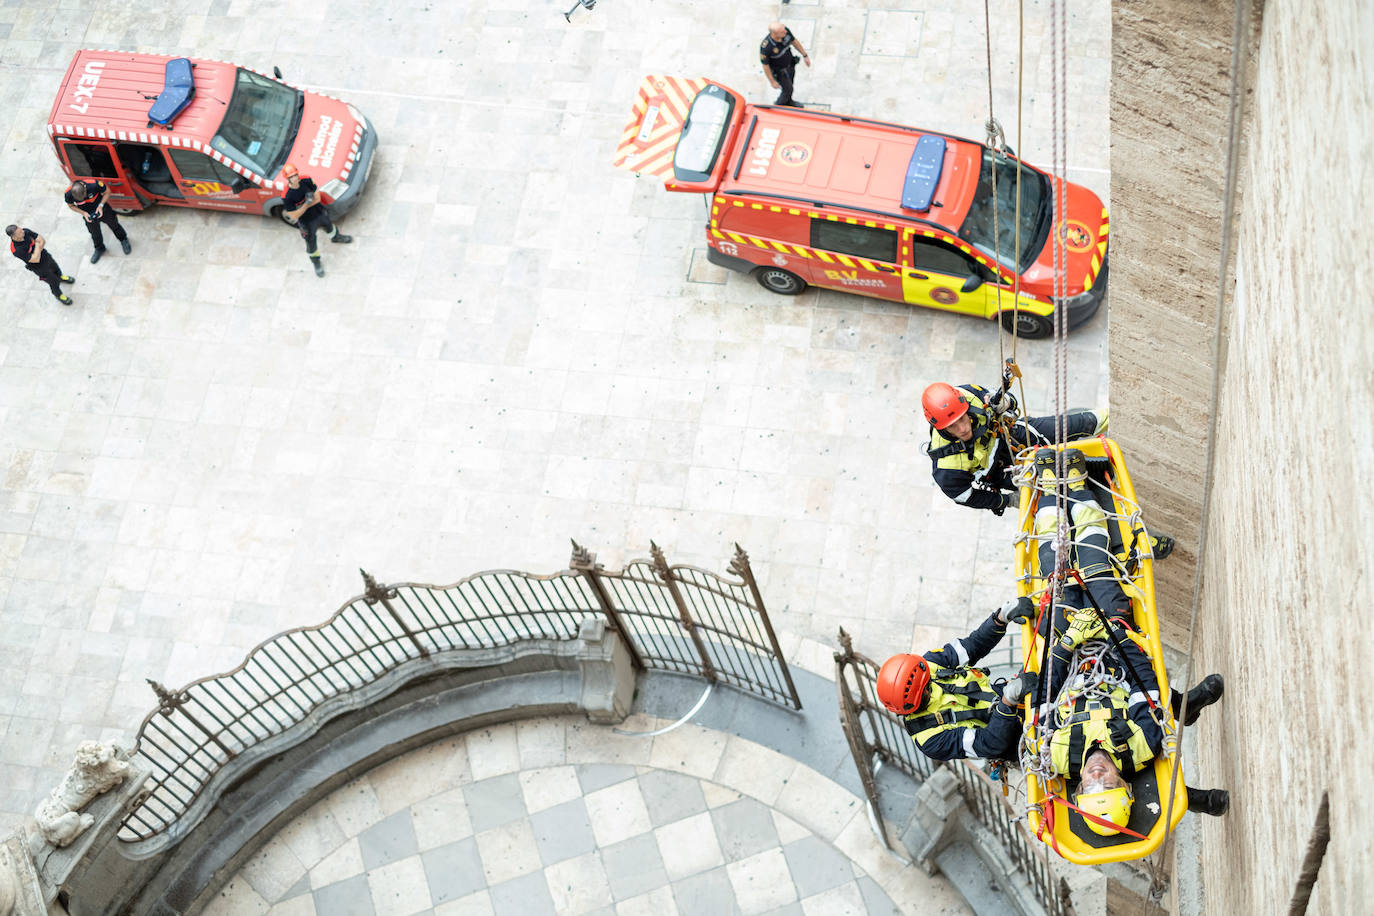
x,y
95,255
340,238
319,268
1161,545
1215,802
1207,692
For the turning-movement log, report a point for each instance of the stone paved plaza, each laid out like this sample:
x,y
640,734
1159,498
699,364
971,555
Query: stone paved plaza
x,y
522,346
557,816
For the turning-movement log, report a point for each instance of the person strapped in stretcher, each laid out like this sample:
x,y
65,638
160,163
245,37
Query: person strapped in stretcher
x,y
1104,723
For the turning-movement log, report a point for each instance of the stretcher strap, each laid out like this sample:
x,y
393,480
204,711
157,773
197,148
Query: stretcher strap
x,y
1099,821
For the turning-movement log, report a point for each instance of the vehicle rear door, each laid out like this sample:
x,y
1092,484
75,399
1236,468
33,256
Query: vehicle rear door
x,y
95,159
857,256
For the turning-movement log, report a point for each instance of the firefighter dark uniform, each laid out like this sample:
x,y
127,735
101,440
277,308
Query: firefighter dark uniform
x,y
977,473
776,56
22,245
961,714
88,197
316,217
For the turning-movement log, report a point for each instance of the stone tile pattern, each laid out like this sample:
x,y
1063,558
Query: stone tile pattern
x,y
562,817
204,448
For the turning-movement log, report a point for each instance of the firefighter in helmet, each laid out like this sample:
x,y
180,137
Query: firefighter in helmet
x,y
950,708
971,449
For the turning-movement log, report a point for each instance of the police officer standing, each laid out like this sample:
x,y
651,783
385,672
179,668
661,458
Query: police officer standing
x,y
779,63
302,204
88,198
28,246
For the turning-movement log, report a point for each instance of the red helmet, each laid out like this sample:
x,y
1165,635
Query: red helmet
x,y
902,681
289,170
943,404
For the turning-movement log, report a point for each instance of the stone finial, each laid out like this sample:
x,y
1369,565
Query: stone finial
x,y
660,560
98,767
739,564
582,558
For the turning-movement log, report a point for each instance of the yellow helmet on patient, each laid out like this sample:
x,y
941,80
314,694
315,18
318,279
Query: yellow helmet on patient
x,y
1112,805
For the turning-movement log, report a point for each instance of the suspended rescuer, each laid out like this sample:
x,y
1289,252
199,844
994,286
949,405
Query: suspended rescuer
x,y
302,203
974,437
29,247
89,199
779,63
950,708
1107,729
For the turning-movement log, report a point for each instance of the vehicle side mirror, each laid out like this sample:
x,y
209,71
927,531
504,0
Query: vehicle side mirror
x,y
239,185
276,71
971,284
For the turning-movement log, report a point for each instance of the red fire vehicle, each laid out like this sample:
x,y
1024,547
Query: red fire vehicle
x,y
203,133
801,197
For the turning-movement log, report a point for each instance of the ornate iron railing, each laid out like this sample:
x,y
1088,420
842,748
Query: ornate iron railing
x,y
675,618
873,733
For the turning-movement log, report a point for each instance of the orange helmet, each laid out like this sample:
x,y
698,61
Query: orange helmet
x,y
289,170
902,681
943,404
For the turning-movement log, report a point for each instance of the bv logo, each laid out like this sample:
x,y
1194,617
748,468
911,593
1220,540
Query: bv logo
x,y
85,87
852,278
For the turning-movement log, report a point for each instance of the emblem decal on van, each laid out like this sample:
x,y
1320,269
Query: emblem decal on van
x,y
325,142
85,87
794,154
779,260
763,152
944,295
1075,235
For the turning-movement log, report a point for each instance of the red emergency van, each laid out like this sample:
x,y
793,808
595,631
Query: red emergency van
x,y
228,131
801,197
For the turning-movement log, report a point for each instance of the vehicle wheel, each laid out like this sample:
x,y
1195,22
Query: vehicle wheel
x,y
1028,325
279,212
124,212
777,280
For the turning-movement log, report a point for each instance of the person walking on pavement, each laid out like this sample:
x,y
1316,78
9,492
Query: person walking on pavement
x,y
302,203
89,199
29,247
779,63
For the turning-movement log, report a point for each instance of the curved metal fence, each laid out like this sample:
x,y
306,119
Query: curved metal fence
x,y
675,618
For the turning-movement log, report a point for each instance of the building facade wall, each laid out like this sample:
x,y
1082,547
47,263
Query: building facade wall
x,y
1286,601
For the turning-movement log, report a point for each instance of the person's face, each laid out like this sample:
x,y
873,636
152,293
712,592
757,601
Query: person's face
x,y
961,429
294,181
1099,773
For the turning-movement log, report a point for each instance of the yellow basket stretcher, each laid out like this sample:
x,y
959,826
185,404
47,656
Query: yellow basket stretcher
x,y
1052,816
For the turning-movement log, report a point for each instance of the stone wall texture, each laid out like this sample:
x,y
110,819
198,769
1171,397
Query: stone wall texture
x,y
1286,605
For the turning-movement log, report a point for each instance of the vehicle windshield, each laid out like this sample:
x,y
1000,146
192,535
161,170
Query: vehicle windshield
x,y
260,123
977,229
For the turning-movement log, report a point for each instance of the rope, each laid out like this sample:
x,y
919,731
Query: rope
x,y
1240,30
996,140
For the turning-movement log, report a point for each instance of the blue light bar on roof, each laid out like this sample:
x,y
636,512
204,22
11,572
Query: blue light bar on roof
x,y
923,173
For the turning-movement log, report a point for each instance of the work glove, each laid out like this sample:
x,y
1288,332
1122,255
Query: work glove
x,y
1020,687
1011,499
1004,405
1016,610
1084,626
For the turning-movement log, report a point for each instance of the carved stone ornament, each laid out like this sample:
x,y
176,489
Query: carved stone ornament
x,y
98,768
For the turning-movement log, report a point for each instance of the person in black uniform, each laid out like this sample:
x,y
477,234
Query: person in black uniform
x,y
88,198
779,63
28,246
302,204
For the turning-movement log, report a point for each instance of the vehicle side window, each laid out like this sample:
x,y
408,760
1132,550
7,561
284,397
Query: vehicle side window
x,y
869,242
90,161
928,254
195,166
